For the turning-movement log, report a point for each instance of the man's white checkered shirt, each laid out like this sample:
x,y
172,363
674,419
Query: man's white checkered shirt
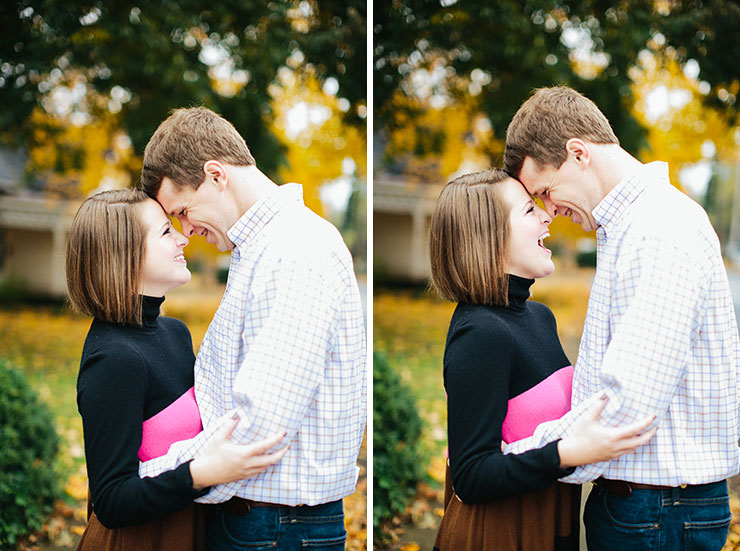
x,y
286,351
660,337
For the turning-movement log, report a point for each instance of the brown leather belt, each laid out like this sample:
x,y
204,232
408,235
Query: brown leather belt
x,y
240,506
622,488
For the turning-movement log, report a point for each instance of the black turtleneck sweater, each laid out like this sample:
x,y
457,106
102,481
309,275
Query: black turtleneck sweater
x,y
127,375
493,354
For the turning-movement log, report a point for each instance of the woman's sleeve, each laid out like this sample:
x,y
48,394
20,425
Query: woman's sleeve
x,y
478,362
110,396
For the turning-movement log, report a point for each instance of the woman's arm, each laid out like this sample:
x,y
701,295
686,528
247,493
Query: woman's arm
x,y
478,361
110,397
223,461
592,442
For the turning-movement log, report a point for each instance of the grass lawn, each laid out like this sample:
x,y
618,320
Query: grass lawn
x,y
46,343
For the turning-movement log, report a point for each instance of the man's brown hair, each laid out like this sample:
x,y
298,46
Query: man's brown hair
x,y
469,234
105,256
184,142
546,121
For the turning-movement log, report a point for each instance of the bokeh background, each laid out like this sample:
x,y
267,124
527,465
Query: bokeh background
x,y
448,76
82,87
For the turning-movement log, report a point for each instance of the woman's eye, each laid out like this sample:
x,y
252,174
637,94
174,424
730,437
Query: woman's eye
x,y
531,209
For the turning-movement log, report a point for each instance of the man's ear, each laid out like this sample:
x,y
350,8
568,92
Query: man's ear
x,y
216,174
578,151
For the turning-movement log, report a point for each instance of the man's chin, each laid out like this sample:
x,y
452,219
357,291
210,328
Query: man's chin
x,y
224,247
585,224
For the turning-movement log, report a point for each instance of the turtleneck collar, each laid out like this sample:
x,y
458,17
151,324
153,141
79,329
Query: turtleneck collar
x,y
150,310
518,291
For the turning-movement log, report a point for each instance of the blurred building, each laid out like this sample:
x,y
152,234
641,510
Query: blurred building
x,y
402,211
33,230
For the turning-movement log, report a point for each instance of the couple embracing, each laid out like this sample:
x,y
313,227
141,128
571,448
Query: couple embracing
x,y
649,413
265,425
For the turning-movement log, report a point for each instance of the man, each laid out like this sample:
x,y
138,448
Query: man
x,y
285,350
660,335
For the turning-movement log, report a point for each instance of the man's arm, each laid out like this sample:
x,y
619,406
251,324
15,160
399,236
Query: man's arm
x,y
293,321
281,373
654,309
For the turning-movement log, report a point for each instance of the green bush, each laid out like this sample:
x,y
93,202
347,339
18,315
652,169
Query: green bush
x,y
222,275
29,483
397,464
13,290
586,259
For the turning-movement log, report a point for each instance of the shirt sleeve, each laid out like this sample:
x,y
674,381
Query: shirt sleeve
x,y
478,360
110,399
294,313
655,307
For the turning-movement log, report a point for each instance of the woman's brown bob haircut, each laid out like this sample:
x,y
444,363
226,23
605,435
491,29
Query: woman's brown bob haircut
x,y
105,256
184,142
469,234
546,121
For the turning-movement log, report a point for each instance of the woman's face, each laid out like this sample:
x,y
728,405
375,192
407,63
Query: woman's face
x,y
164,263
526,256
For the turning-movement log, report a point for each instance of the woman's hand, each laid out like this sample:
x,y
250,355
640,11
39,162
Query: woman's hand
x,y
223,461
592,442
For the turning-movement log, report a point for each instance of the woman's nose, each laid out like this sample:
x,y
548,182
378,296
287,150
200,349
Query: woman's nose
x,y
545,217
182,241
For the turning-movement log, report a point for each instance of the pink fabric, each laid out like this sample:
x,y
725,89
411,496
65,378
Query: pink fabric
x,y
545,401
178,421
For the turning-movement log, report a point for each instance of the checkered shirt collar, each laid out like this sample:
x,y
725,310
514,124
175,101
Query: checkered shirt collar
x,y
607,212
261,213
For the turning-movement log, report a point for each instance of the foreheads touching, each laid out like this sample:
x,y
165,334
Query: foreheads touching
x,y
182,145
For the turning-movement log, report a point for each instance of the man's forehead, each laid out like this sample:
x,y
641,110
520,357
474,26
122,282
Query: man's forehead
x,y
169,196
533,176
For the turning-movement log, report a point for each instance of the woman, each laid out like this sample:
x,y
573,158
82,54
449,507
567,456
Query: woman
x,y
505,372
135,386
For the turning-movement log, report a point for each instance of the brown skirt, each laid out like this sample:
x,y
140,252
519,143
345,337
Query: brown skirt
x,y
181,531
545,520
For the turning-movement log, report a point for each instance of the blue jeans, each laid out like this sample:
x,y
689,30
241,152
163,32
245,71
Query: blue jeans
x,y
317,527
695,518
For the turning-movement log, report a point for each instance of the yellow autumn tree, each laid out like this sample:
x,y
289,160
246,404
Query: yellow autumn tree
x,y
439,141
669,104
75,159
308,121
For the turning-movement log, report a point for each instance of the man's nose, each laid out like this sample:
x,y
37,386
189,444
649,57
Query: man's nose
x,y
187,227
550,207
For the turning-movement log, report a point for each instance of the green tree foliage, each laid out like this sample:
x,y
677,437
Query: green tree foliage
x,y
706,31
143,59
396,431
517,46
28,480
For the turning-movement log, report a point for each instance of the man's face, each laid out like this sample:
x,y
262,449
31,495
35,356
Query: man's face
x,y
564,191
200,211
